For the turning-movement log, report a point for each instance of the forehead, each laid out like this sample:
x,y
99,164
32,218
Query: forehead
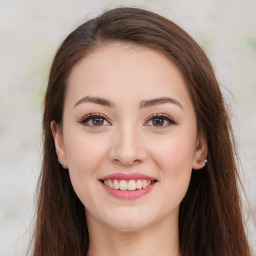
x,y
126,73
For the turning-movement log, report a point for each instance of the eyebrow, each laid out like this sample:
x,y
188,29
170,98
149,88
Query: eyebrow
x,y
143,104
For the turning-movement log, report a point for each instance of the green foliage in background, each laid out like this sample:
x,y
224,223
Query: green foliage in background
x,y
35,76
206,43
250,41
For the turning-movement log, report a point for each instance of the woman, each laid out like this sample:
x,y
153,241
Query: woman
x,y
138,146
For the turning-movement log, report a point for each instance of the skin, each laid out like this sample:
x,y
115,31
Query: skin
x,y
129,140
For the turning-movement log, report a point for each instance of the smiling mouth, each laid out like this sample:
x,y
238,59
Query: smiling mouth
x,y
126,185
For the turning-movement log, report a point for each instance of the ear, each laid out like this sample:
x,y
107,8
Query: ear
x,y
59,145
200,152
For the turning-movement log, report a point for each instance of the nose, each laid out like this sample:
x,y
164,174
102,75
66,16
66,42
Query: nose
x,y
127,148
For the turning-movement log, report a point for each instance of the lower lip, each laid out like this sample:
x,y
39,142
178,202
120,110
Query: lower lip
x,y
128,194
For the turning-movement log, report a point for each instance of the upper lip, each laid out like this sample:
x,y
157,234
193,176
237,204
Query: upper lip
x,y
127,176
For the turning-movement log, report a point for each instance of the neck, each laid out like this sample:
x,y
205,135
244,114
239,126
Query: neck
x,y
161,239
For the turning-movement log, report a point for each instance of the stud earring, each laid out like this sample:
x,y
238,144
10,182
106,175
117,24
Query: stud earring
x,y
202,162
61,163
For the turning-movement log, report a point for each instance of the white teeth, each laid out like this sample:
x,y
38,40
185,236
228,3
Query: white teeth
x,y
127,185
132,185
123,185
144,183
110,184
116,184
139,184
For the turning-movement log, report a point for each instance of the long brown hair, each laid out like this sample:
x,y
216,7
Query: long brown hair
x,y
210,220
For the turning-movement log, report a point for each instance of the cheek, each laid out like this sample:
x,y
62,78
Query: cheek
x,y
84,153
84,156
175,153
175,162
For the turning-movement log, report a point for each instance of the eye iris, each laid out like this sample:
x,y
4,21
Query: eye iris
x,y
97,121
158,121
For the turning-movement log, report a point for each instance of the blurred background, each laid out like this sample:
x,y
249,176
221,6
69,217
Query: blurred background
x,y
30,32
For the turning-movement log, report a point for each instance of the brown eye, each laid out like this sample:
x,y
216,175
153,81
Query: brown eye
x,y
97,121
161,121
158,121
93,120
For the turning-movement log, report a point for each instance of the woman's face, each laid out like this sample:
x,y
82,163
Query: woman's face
x,y
141,137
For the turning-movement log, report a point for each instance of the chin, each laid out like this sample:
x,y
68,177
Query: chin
x,y
131,221
129,226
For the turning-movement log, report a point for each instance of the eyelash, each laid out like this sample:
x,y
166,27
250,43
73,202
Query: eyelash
x,y
90,116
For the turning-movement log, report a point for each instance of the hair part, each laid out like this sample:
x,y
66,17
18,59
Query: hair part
x,y
210,220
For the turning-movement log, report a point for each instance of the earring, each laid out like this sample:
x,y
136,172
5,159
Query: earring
x,y
204,162
61,163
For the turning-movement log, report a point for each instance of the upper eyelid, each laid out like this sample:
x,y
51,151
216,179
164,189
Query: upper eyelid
x,y
147,119
91,115
172,121
160,115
